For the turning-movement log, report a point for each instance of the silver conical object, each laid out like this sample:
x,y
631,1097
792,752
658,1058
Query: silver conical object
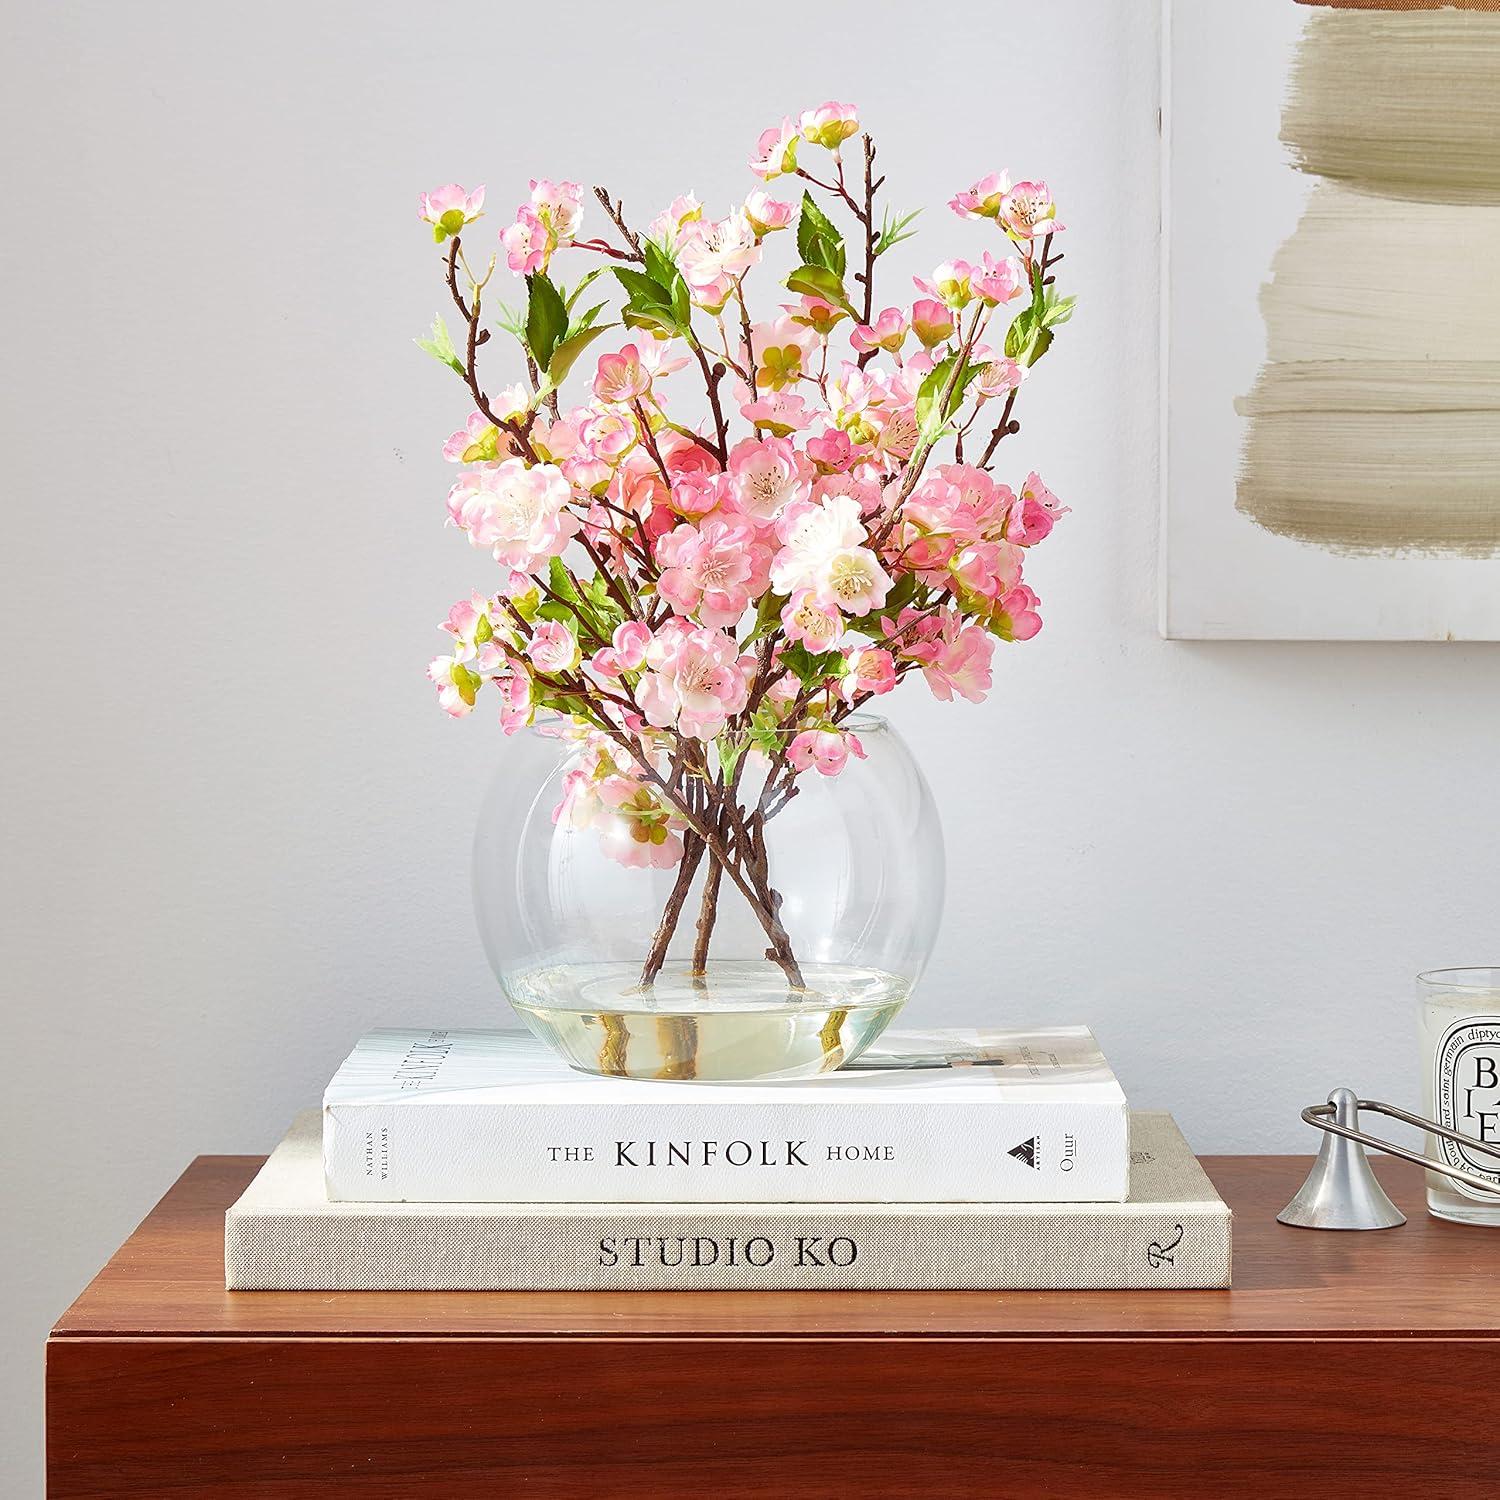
x,y
1341,1192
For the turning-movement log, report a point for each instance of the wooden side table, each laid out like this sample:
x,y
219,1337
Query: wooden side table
x,y
1340,1364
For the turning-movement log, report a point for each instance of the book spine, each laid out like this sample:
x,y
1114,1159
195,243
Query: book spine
x,y
1081,1249
699,1152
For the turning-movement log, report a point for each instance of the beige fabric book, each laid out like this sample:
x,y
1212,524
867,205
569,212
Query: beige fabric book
x,y
1173,1231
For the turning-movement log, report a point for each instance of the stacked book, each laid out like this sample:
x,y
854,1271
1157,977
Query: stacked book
x,y
475,1160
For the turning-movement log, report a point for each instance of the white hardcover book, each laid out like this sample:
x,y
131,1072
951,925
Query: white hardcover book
x,y
946,1116
1173,1231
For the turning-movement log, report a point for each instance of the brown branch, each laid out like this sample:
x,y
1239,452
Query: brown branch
x,y
1003,428
616,213
868,217
711,379
692,855
519,433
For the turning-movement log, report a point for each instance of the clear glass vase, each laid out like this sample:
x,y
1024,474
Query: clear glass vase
x,y
783,965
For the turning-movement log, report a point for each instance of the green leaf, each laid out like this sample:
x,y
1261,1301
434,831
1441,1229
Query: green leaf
x,y
468,683
1058,310
682,305
900,595
819,281
730,750
1018,335
577,291
1041,342
552,610
660,266
586,319
565,356
933,408
893,231
807,667
510,320
644,291
654,321
819,242
546,317
560,581
440,346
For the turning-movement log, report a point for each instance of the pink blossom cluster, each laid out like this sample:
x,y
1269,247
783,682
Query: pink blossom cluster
x,y
747,527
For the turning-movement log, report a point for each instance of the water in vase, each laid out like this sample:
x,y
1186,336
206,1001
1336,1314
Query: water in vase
x,y
725,1023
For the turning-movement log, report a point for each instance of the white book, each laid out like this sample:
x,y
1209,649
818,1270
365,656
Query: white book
x,y
1173,1231
946,1116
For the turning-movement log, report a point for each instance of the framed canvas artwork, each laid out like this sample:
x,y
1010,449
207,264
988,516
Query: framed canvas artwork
x,y
1331,307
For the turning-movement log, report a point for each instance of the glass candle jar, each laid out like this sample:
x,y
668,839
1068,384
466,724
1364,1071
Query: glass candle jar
x,y
1460,1021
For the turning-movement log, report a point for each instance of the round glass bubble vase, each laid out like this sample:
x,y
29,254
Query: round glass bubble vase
x,y
780,946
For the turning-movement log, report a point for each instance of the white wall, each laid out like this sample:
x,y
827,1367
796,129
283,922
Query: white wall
x,y
237,828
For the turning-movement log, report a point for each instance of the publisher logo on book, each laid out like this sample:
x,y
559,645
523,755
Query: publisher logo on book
x,y
1028,1152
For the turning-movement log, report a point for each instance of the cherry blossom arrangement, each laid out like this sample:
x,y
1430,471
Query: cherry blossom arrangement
x,y
752,522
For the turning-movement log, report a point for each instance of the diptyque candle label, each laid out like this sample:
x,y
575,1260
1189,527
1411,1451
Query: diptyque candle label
x,y
1466,1088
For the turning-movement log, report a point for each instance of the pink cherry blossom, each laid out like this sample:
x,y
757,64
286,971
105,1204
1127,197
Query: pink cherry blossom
x,y
775,151
456,685
666,228
853,581
553,648
998,281
477,441
476,641
620,378
819,315
1033,513
766,476
986,570
517,704
870,671
1027,211
449,208
811,536
605,437
559,205
778,413
696,679
829,124
780,352
682,455
626,651
519,512
863,490
931,321
949,284
696,496
982,201
761,548
999,377
957,661
826,750
766,213
1017,618
630,642
712,253
888,332
833,453
634,827
528,242
816,625
713,570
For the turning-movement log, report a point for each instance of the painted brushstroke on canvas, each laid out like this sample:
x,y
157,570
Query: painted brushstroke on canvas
x,y
1333,464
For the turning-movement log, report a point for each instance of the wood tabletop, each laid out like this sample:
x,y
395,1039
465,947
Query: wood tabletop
x,y
1428,1279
